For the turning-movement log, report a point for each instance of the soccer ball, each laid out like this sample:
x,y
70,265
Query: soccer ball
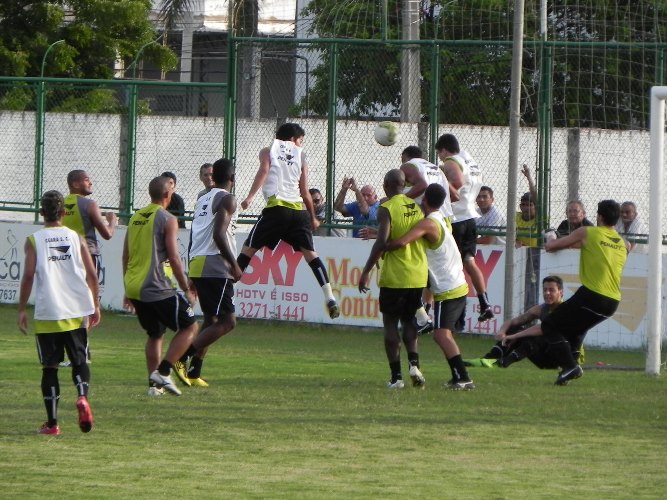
x,y
386,133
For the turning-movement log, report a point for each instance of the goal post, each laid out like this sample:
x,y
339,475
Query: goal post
x,y
654,302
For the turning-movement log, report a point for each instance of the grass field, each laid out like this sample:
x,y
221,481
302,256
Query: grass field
x,y
301,411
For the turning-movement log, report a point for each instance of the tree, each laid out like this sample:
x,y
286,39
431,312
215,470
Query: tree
x,y
96,34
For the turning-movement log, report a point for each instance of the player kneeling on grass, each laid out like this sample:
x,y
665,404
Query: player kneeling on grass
x,y
445,279
57,261
601,263
536,349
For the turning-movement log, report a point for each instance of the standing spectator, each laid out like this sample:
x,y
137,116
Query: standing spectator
x,y
213,269
528,236
206,177
283,178
150,240
446,280
491,219
465,181
177,205
403,276
576,217
363,210
58,262
601,262
629,223
320,213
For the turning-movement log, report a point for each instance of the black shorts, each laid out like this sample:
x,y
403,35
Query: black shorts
x,y
155,317
447,312
465,236
400,302
216,295
578,314
281,223
52,346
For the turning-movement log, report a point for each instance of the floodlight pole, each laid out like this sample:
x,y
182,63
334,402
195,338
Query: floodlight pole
x,y
39,133
654,299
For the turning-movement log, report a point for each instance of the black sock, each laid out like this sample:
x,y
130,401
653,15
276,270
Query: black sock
x,y
483,301
164,368
496,352
51,394
413,359
81,378
395,367
243,260
194,370
319,271
188,354
459,371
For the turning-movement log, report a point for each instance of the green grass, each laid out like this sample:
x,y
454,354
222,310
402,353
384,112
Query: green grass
x,y
301,411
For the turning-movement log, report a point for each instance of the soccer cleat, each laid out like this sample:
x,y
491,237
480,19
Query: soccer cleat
x,y
198,382
565,376
49,431
165,382
334,310
505,361
155,391
85,415
486,315
182,372
398,384
416,376
423,329
460,385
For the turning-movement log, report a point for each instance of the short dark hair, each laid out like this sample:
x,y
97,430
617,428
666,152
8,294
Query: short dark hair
x,y
435,195
413,152
312,191
554,279
171,175
75,176
610,211
223,171
52,206
487,188
288,131
157,187
205,165
448,142
528,197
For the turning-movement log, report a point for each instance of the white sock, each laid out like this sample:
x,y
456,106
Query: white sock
x,y
422,316
328,294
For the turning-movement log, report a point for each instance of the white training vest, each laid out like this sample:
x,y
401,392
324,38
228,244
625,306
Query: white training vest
x,y
61,290
433,175
466,207
445,268
284,172
202,226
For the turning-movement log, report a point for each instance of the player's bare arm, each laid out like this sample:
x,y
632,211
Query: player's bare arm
x,y
29,268
171,246
221,221
384,225
305,194
414,176
573,240
260,177
93,284
530,315
425,228
106,225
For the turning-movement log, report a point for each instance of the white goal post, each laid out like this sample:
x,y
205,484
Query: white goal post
x,y
654,302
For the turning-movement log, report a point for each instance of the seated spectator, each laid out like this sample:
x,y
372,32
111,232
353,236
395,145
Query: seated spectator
x,y
320,213
177,205
363,210
491,220
629,223
576,217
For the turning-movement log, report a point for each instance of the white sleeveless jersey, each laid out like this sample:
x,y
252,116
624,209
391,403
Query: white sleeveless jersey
x,y
61,290
284,172
433,175
204,255
445,268
466,207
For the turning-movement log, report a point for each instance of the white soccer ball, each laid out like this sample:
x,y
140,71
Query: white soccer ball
x,y
386,133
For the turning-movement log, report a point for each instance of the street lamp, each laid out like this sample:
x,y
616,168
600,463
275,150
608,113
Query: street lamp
x,y
135,61
39,131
